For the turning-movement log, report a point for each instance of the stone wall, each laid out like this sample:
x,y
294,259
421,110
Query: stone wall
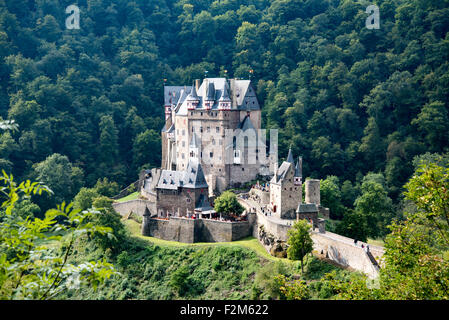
x,y
343,251
175,229
276,229
137,206
195,230
178,203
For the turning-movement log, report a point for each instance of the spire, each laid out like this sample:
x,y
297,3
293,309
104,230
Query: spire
x,y
290,156
298,169
193,92
210,91
193,96
194,147
224,95
194,141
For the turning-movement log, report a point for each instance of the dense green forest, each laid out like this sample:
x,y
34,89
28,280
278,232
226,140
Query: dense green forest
x,y
366,108
360,105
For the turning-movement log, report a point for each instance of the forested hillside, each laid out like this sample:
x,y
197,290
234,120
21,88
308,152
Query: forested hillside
x,y
349,99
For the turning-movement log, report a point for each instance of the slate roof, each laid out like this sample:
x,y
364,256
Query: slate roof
x,y
224,95
307,208
246,124
282,171
194,175
194,142
290,156
172,94
217,89
210,91
170,179
298,168
193,96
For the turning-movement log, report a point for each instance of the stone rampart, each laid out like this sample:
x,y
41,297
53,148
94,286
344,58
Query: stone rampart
x,y
195,230
137,206
276,229
343,251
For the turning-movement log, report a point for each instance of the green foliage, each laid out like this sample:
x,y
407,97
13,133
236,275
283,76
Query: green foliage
x,y
155,272
227,204
109,218
354,225
415,264
331,196
83,200
266,285
374,205
61,176
178,279
107,188
295,290
28,268
299,241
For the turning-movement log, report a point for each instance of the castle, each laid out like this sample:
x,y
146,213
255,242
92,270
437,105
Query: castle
x,y
204,152
211,141
214,116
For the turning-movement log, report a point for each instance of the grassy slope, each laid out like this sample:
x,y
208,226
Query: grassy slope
x,y
132,196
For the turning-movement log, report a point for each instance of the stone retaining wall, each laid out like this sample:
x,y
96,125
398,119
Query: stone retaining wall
x,y
343,251
195,230
137,206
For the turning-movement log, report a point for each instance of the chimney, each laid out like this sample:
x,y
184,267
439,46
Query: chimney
x,y
197,84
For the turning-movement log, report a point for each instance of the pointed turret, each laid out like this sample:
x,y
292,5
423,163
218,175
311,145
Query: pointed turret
x,y
298,174
224,95
209,97
193,96
224,103
210,91
192,99
290,157
194,147
298,168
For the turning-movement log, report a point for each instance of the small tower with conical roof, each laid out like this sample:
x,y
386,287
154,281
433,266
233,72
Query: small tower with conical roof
x,y
224,103
194,147
209,98
298,172
192,99
290,157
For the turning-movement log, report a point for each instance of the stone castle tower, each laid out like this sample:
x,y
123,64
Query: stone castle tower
x,y
286,188
197,122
